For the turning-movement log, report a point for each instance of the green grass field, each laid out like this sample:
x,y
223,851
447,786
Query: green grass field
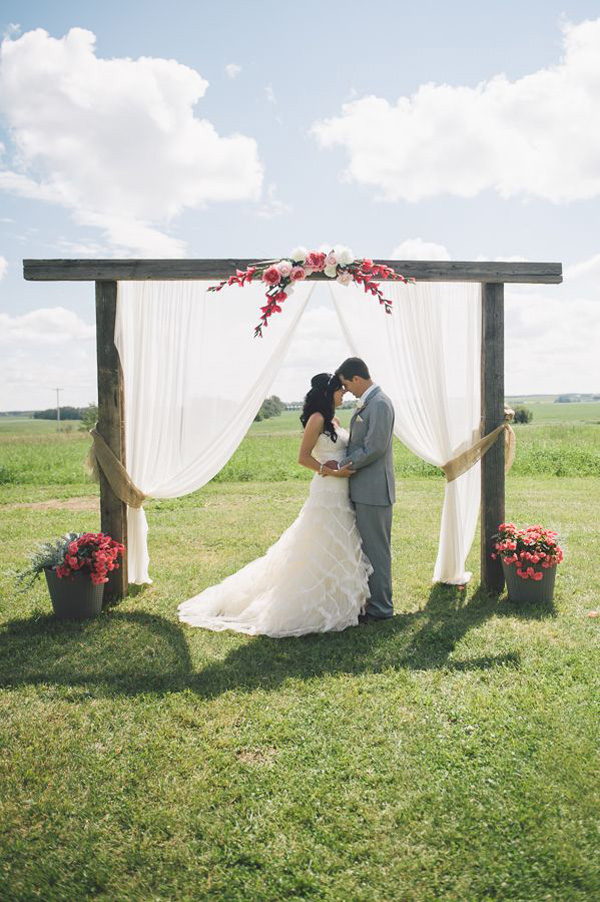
x,y
450,753
34,454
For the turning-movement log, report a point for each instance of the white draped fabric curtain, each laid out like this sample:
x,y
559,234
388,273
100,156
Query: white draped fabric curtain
x,y
194,379
426,356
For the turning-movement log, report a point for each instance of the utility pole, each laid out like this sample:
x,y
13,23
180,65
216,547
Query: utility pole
x,y
58,390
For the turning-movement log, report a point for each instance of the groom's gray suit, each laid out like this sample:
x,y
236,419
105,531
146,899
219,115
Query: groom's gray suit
x,y
373,492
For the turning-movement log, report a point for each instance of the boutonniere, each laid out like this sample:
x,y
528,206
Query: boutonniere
x,y
359,403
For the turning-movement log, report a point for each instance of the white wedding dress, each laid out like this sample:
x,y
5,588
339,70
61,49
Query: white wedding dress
x,y
314,579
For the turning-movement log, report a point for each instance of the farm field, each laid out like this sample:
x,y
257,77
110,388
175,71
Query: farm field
x,y
449,753
33,454
586,412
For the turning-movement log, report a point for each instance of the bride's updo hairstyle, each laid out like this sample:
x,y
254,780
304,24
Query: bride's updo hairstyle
x,y
320,400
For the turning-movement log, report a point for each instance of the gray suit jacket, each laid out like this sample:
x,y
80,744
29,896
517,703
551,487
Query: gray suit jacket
x,y
371,451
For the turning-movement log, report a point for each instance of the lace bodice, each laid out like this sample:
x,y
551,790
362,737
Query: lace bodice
x,y
325,449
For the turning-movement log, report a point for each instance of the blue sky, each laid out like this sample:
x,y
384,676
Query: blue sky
x,y
502,162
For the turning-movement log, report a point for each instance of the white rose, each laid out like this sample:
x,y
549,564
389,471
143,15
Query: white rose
x,y
344,278
299,254
284,268
344,255
331,271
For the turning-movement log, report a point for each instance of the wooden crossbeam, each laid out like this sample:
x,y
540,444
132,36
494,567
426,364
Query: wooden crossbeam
x,y
212,270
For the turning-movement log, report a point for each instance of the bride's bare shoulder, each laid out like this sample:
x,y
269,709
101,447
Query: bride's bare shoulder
x,y
315,422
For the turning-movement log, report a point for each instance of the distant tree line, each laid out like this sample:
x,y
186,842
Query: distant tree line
x,y
66,413
569,399
270,407
87,415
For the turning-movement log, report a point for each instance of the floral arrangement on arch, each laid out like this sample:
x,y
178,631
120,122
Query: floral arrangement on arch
x,y
532,549
280,276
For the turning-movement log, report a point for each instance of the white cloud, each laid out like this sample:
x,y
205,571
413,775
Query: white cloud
x,y
11,30
233,70
417,249
116,140
515,258
3,267
82,248
551,343
128,235
273,207
45,326
583,280
537,136
43,349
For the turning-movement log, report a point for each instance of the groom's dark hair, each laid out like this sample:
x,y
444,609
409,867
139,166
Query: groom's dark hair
x,y
352,367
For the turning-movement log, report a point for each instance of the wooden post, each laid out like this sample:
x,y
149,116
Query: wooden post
x,y
111,426
492,411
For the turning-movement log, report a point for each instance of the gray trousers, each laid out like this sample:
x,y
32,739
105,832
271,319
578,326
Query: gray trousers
x,y
374,523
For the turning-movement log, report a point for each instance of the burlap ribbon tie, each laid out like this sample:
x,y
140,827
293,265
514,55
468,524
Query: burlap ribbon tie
x,y
465,460
100,455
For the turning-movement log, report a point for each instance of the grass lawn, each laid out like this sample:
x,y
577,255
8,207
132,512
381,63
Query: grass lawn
x,y
450,753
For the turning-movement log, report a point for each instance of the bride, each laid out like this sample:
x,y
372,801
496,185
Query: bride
x,y
315,577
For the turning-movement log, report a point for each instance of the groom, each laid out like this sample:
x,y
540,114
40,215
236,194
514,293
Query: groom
x,y
372,487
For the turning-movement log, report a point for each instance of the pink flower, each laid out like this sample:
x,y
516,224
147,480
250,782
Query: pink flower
x,y
538,576
284,267
316,261
280,296
272,276
331,259
298,273
344,278
367,266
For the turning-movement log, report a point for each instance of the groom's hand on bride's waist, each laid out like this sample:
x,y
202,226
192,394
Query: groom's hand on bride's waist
x,y
335,470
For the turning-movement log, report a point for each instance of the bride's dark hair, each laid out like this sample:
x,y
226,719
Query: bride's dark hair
x,y
320,400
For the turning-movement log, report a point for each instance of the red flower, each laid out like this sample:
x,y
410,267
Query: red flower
x,y
272,276
316,261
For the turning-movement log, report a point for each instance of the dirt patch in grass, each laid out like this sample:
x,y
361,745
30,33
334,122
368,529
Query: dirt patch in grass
x,y
85,503
256,756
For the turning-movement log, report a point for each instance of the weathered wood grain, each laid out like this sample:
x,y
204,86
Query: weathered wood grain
x,y
492,409
422,270
111,426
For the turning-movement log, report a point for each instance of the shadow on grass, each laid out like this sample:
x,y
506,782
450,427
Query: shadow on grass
x,y
123,653
128,653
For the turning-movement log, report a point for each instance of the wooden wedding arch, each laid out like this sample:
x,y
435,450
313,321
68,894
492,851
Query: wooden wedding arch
x,y
111,422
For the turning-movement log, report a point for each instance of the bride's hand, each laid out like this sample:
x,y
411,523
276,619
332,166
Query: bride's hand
x,y
344,472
